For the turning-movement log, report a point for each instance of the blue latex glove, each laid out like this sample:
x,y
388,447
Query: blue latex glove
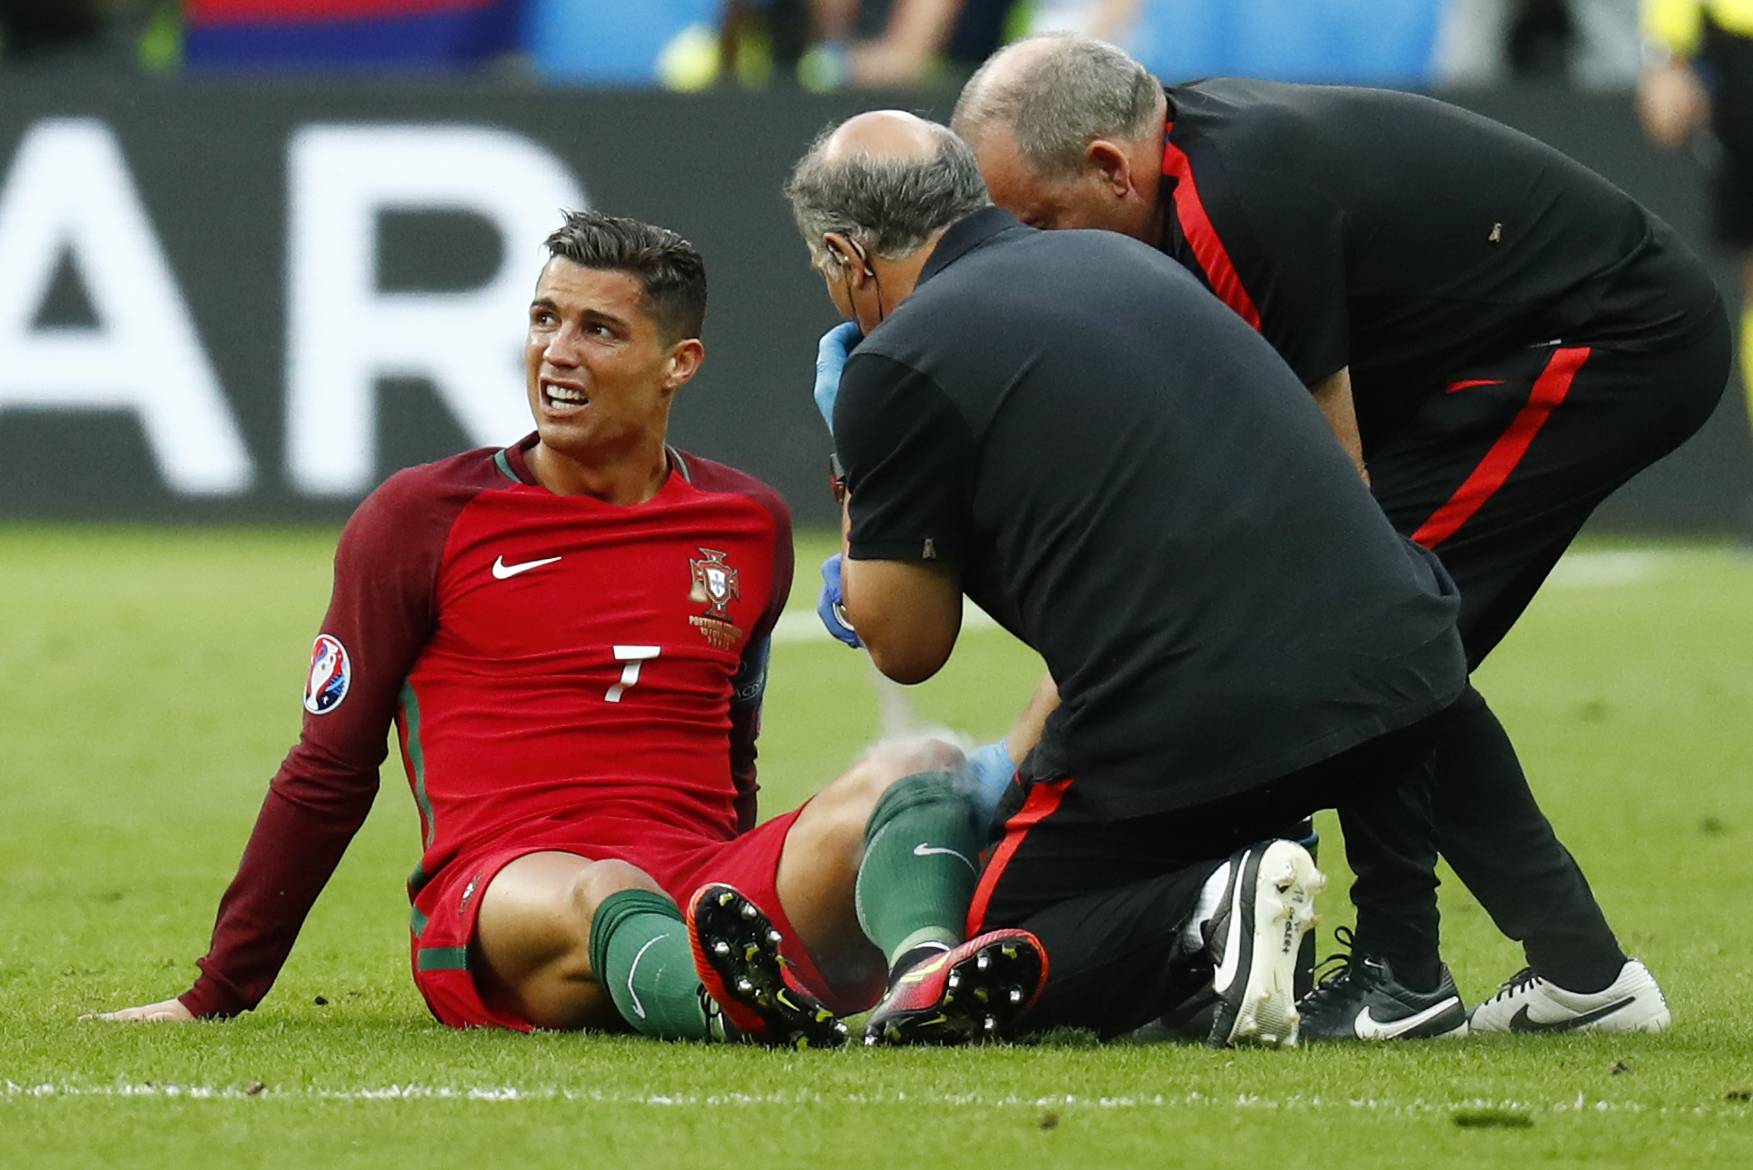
x,y
832,351
831,607
992,770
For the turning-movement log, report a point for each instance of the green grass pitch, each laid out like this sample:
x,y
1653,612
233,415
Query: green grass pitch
x,y
151,686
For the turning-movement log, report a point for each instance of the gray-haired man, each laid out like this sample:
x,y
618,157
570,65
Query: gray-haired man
x,y
1066,428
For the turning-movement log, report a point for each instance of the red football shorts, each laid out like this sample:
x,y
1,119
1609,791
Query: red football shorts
x,y
446,907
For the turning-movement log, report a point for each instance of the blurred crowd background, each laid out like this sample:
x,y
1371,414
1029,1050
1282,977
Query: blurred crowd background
x,y
281,179
834,44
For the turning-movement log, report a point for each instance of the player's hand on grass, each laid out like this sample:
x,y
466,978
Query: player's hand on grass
x,y
164,1011
831,607
831,354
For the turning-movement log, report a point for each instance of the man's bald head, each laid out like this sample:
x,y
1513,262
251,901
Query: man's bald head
x,y
892,134
1050,96
886,179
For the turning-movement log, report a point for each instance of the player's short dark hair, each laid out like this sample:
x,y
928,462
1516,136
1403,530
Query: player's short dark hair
x,y
670,268
1076,89
891,206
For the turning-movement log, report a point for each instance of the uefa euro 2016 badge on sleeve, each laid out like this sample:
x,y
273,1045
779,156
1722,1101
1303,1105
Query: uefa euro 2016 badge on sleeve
x,y
331,673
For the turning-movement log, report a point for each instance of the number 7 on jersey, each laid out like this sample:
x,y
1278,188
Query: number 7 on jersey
x,y
634,657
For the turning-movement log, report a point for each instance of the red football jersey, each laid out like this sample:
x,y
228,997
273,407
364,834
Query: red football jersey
x,y
545,659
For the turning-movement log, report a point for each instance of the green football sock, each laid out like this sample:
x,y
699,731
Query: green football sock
x,y
639,950
921,858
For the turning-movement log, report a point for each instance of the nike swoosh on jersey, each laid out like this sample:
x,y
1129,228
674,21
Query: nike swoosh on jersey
x,y
1232,946
634,966
1520,1022
501,570
1368,1027
924,850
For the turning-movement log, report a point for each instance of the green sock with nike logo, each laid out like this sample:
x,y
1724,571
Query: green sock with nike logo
x,y
639,950
921,858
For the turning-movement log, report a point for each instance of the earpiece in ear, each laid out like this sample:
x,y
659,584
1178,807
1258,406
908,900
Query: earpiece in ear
x,y
863,260
845,261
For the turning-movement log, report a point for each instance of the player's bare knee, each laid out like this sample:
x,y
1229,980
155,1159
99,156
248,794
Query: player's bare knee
x,y
595,883
898,759
841,813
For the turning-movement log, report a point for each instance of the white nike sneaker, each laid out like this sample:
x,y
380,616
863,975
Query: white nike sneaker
x,y
1253,940
1528,1003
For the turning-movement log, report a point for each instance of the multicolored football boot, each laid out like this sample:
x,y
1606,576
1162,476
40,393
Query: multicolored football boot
x,y
976,991
736,952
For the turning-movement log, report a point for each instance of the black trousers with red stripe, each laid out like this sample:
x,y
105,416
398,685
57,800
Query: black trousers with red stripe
x,y
1108,896
1499,473
1497,476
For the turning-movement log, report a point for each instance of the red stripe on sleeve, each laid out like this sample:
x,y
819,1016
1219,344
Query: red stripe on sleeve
x,y
1208,249
1043,801
1549,390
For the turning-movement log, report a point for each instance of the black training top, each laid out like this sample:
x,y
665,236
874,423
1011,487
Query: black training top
x,y
1130,481
1405,237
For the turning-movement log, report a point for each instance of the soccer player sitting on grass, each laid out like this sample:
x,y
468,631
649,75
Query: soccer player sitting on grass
x,y
570,635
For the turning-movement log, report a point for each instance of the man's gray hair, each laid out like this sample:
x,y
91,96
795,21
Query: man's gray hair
x,y
891,206
1075,90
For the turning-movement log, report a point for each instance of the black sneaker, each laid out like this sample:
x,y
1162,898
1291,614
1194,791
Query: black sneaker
x,y
1253,939
736,953
1361,1000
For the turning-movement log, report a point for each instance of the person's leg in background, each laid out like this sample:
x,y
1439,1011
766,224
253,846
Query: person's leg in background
x,y
1728,57
1745,342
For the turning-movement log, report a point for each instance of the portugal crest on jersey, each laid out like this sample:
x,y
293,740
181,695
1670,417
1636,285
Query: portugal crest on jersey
x,y
715,585
331,673
715,582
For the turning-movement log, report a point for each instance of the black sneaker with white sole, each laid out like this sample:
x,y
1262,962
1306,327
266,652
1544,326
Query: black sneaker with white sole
x,y
1253,939
1362,1000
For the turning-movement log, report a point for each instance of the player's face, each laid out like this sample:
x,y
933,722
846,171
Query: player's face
x,y
1087,199
600,371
